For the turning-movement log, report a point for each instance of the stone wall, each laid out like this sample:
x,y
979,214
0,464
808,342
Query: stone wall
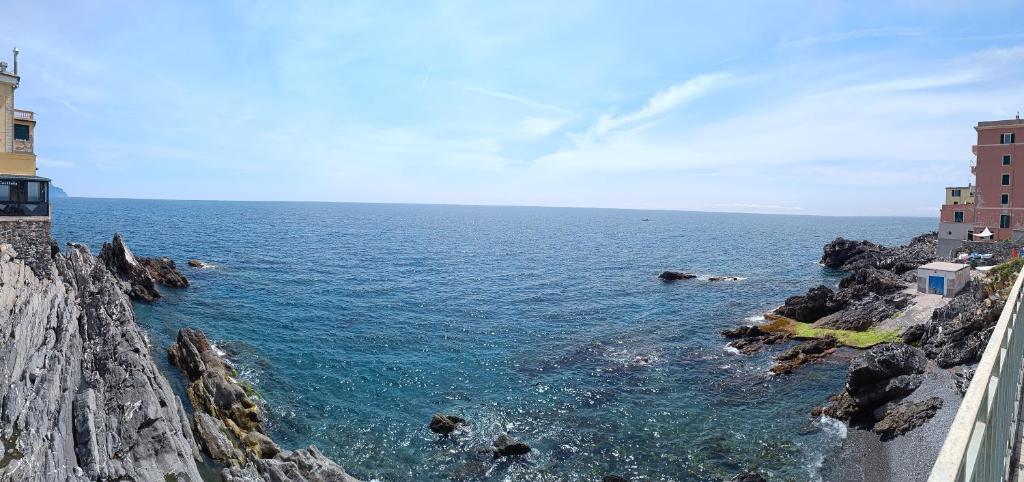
x,y
31,240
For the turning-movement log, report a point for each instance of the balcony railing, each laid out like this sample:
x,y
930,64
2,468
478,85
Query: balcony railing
x,y
9,208
24,115
980,442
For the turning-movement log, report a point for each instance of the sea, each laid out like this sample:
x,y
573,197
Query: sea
x,y
356,322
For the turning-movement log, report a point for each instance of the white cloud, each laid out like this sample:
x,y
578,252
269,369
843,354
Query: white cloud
x,y
846,36
660,103
519,99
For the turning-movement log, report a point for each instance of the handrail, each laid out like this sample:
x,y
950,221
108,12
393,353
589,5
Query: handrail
x,y
24,115
981,439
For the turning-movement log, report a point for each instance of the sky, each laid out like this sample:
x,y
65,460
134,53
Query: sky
x,y
797,107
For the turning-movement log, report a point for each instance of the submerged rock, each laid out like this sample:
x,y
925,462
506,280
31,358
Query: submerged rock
x,y
675,275
723,278
138,276
505,446
907,416
614,478
804,353
444,424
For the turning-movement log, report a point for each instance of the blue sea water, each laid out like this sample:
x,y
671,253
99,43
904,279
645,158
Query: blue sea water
x,y
357,322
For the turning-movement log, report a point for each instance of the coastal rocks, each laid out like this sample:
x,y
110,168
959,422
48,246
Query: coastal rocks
x,y
82,398
613,478
212,388
444,425
195,263
289,466
749,338
669,276
861,314
850,255
139,276
723,278
961,329
882,374
818,302
214,392
804,353
906,416
866,281
505,446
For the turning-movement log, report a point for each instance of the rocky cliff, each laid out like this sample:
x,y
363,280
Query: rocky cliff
x,y
82,398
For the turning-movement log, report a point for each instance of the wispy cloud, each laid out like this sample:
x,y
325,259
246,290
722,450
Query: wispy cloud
x,y
519,99
660,103
846,36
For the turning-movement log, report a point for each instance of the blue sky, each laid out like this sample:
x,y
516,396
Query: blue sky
x,y
817,107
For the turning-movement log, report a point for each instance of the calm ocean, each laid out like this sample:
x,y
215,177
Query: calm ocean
x,y
356,322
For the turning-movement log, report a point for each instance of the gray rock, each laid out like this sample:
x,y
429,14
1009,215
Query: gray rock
x,y
505,446
961,329
82,396
851,255
297,465
749,476
906,417
818,302
218,442
138,276
669,276
443,424
962,379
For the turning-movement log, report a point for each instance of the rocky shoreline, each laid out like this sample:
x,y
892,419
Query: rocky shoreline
x,y
83,399
935,348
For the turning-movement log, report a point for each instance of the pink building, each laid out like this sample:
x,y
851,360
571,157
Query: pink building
x,y
996,199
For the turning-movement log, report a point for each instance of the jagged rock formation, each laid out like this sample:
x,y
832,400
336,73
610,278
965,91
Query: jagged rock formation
x,y
230,425
444,425
749,338
864,298
883,374
818,302
139,276
851,255
669,276
82,398
959,331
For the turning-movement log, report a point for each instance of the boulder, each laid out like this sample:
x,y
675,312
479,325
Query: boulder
x,y
195,263
164,271
669,276
882,374
818,302
961,329
505,446
906,416
914,333
722,278
444,424
260,445
866,281
863,313
806,352
840,251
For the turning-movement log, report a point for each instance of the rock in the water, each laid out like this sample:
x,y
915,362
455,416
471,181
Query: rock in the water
x,y
444,424
505,446
195,263
722,278
749,339
804,353
138,276
613,478
675,275
818,302
749,476
82,397
907,416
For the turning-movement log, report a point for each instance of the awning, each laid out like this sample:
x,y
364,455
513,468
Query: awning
x,y
984,234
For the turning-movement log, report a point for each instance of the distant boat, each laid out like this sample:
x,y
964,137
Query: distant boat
x,y
645,219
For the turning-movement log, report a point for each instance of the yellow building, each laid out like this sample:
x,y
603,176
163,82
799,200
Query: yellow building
x,y
960,195
22,192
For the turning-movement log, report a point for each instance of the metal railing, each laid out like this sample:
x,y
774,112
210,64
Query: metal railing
x,y
980,442
24,115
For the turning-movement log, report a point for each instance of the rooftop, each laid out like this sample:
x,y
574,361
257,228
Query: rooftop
x,y
944,266
1001,123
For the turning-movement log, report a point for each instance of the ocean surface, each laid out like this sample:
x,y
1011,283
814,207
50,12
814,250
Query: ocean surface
x,y
357,322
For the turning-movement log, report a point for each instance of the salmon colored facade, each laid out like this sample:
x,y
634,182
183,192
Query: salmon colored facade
x,y
999,183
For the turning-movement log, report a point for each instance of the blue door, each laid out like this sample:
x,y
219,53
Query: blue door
x,y
937,285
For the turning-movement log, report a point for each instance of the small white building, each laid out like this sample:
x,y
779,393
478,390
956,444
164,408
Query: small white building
x,y
942,278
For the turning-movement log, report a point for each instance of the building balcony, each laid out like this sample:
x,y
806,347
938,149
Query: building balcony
x,y
25,115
